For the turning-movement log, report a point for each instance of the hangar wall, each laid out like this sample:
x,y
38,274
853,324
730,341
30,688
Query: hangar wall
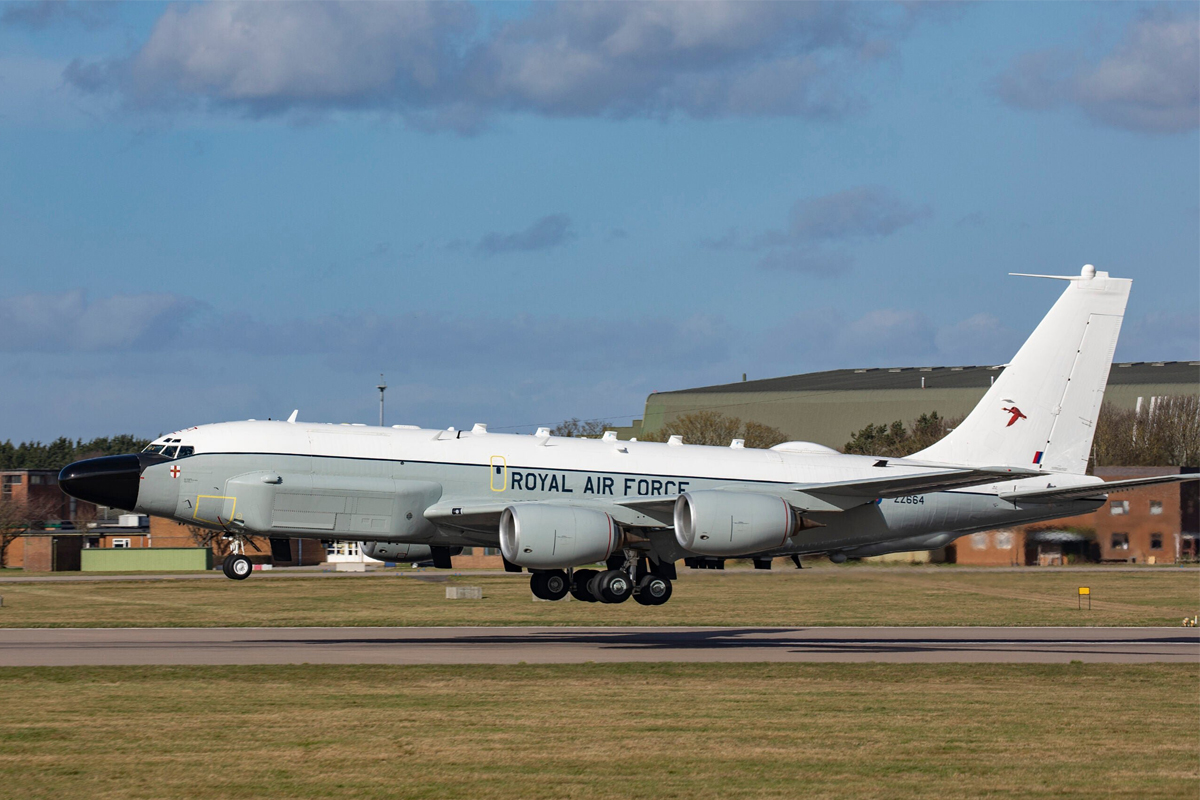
x,y
828,407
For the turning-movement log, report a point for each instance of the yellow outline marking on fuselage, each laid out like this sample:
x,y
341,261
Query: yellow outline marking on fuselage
x,y
199,497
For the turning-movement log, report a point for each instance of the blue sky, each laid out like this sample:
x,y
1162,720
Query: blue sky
x,y
521,213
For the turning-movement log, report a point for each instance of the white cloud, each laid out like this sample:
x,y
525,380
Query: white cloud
x,y
436,66
1148,83
70,322
1160,335
547,232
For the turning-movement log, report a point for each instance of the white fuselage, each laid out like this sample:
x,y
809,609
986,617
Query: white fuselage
x,y
232,460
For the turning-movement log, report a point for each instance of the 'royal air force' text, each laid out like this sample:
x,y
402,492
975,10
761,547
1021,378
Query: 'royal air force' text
x,y
598,485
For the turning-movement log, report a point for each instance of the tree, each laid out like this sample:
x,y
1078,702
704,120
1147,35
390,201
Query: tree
x,y
1164,432
713,428
896,440
62,451
577,428
18,517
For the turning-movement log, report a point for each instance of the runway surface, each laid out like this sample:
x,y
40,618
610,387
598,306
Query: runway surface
x,y
562,645
438,575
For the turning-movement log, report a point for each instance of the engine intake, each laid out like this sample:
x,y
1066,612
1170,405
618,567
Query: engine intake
x,y
715,523
543,536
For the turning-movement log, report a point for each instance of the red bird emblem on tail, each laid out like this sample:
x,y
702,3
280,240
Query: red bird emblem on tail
x,y
1016,415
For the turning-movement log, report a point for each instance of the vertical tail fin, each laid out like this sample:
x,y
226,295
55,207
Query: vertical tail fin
x,y
1041,411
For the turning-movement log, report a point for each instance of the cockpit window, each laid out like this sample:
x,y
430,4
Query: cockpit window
x,y
169,452
153,448
186,451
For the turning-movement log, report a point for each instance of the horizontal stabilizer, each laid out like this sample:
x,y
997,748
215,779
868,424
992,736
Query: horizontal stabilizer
x,y
1093,490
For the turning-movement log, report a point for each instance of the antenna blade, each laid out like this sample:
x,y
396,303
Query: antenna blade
x,y
292,418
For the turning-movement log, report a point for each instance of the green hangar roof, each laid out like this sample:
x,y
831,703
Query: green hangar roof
x,y
1141,372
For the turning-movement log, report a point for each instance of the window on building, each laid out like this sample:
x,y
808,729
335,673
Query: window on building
x,y
1156,506
341,548
491,551
1120,541
1119,507
979,541
1156,541
468,551
1004,540
121,544
35,480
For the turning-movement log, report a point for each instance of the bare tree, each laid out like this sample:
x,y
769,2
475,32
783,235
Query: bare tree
x,y
577,428
18,517
1164,432
83,515
713,428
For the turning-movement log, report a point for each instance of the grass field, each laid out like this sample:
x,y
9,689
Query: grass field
x,y
661,730
918,596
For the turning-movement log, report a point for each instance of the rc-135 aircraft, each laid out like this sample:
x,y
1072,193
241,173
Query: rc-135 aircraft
x,y
556,504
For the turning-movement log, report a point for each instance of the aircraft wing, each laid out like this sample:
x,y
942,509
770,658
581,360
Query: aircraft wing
x,y
940,480
1092,490
478,517
842,495
484,517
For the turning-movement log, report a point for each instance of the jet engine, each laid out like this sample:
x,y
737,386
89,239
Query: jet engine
x,y
716,523
543,536
391,551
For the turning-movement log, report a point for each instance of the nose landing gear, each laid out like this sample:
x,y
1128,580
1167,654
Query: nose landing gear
x,y
237,567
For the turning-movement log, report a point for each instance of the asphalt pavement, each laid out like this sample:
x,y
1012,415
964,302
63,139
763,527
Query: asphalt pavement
x,y
573,645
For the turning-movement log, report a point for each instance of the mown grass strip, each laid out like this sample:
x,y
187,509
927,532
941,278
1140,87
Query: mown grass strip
x,y
644,730
792,598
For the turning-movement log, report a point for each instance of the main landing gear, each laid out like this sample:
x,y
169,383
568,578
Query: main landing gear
x,y
634,578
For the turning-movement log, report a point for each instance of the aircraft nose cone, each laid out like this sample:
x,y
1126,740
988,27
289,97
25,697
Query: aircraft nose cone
x,y
108,481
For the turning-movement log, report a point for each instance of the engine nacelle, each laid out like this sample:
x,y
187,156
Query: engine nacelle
x,y
393,551
543,536
715,523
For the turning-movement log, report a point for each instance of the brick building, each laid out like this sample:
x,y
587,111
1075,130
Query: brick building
x,y
37,489
1150,525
